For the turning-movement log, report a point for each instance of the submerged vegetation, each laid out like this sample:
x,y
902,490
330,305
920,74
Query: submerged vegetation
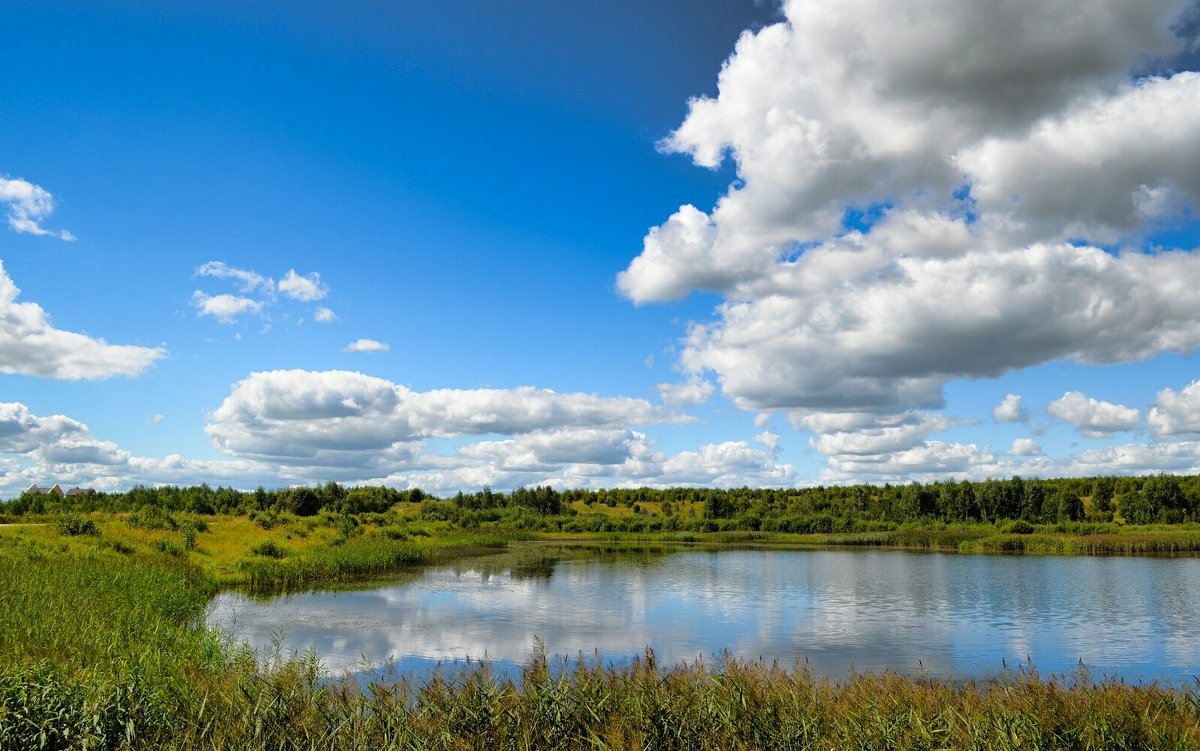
x,y
103,643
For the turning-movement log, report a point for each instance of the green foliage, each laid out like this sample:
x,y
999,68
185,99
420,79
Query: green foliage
x,y
1137,509
269,549
1070,506
151,516
361,556
107,650
170,547
817,510
74,525
1017,527
1104,491
96,651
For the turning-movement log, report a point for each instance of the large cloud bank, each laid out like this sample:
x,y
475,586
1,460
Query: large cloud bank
x,y
934,191
349,425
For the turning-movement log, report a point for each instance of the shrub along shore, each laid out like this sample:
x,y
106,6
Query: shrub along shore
x,y
103,643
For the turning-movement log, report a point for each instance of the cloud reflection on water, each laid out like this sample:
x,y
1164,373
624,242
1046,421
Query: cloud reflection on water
x,y
945,615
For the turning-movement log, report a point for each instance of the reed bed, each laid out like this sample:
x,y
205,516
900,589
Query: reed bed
x,y
730,705
353,559
97,648
1146,543
103,649
925,539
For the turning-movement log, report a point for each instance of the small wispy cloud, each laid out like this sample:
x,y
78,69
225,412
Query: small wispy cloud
x,y
246,279
366,345
225,308
693,393
257,292
306,288
28,205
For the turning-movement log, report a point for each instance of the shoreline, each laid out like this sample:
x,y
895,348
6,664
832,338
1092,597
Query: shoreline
x,y
104,639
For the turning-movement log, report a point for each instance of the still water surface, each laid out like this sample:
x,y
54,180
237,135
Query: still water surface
x,y
946,615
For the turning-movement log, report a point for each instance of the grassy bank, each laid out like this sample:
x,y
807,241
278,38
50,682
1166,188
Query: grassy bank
x,y
102,646
279,550
1059,539
1050,539
97,646
106,652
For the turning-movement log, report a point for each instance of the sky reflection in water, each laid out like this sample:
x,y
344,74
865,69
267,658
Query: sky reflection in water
x,y
947,615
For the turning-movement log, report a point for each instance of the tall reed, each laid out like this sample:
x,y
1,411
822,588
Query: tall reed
x,y
107,650
355,558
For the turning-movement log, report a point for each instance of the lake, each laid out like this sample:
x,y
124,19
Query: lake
x,y
944,615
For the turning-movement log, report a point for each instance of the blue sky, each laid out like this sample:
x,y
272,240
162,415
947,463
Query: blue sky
x,y
597,244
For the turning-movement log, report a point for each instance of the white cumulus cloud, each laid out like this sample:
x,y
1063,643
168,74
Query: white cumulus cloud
x,y
930,461
929,192
1010,409
28,206
30,345
892,436
248,281
45,450
1136,459
1102,171
693,393
1176,413
306,288
257,293
1092,417
1025,447
365,345
296,416
224,307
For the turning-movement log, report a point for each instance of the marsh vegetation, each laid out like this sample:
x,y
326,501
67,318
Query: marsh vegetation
x,y
103,643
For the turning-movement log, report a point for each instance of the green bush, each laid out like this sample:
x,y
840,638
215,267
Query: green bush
x,y
75,525
170,547
1018,527
269,549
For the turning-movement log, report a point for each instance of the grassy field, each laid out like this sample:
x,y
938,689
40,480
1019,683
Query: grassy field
x,y
102,646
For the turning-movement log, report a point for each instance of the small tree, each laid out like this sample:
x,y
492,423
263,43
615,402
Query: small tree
x,y
1137,509
1162,492
1070,507
1104,490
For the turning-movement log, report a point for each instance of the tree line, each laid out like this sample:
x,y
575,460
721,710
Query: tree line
x,y
1138,500
204,499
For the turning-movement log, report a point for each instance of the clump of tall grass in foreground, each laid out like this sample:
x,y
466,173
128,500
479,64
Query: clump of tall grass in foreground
x,y
729,705
96,647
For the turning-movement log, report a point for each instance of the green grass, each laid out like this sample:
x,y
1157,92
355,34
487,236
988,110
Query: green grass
x,y
102,646
1174,543
96,646
352,559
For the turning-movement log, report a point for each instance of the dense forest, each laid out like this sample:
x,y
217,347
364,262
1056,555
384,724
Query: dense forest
x,y
1166,499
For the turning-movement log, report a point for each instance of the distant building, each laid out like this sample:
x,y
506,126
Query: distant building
x,y
58,491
